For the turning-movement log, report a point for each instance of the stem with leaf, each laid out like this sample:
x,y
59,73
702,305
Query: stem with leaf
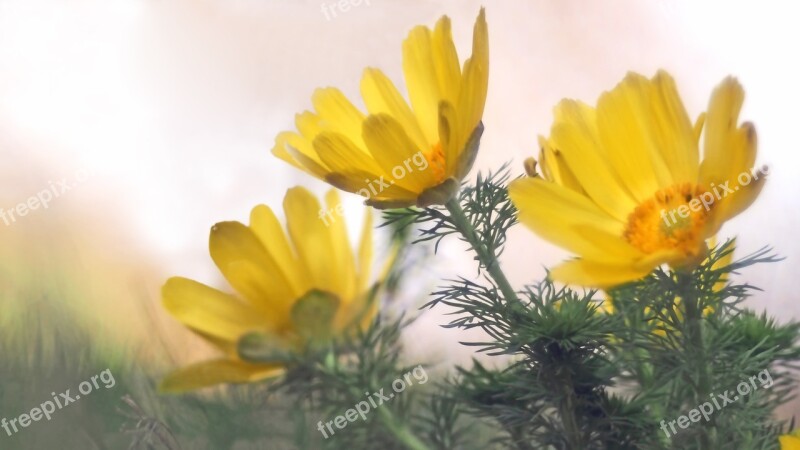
x,y
486,256
694,339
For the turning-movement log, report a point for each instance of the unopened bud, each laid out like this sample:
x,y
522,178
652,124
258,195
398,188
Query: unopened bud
x,y
530,167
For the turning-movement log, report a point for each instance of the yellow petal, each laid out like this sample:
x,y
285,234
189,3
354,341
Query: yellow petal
x,y
672,130
338,114
698,127
381,96
295,150
449,136
268,230
309,125
248,267
445,60
555,169
397,154
593,274
574,134
342,156
364,306
789,442
210,311
650,261
736,202
475,81
423,84
623,123
312,239
211,373
723,262
729,149
342,255
604,246
468,155
556,213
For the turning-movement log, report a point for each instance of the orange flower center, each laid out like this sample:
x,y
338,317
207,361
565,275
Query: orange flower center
x,y
436,162
674,218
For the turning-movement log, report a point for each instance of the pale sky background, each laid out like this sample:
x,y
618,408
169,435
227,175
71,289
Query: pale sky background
x,y
172,106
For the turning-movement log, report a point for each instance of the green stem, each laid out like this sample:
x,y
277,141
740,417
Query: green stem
x,y
694,335
485,255
517,433
400,431
566,410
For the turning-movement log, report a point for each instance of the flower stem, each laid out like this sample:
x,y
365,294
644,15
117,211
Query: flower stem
x,y
566,410
486,256
694,334
400,431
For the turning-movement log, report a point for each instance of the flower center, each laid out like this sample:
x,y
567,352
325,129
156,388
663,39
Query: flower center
x,y
436,162
674,218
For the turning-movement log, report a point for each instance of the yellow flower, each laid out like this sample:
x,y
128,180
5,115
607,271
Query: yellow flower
x,y
291,288
658,326
398,156
622,184
790,441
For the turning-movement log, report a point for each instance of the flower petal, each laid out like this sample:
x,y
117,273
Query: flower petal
x,y
789,442
393,150
267,228
295,150
445,60
381,96
733,204
574,134
347,161
673,131
250,269
338,114
556,214
624,121
423,84
342,252
214,372
449,138
475,82
311,239
724,148
210,311
595,274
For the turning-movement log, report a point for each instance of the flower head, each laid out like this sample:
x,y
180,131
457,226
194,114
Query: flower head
x,y
399,155
292,289
622,184
790,441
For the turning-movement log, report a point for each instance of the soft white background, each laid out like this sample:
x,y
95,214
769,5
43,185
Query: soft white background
x,y
174,105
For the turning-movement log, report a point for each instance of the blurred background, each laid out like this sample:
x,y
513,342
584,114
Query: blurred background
x,y
158,116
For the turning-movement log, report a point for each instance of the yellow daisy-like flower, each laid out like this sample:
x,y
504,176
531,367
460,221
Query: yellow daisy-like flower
x,y
399,155
790,441
292,288
607,304
622,184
